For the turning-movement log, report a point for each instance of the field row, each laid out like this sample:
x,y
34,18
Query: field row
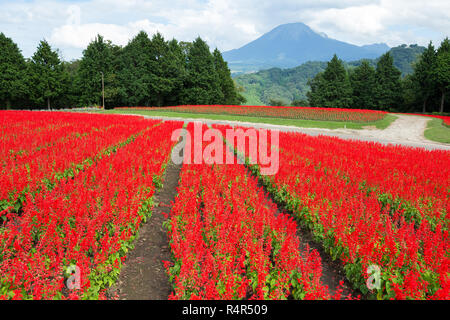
x,y
229,242
302,113
370,205
82,225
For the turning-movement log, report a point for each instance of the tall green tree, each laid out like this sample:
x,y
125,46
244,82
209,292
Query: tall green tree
x,y
332,88
202,84
389,87
230,94
164,77
12,72
135,71
441,70
69,92
45,75
316,96
363,81
423,75
175,71
152,71
99,57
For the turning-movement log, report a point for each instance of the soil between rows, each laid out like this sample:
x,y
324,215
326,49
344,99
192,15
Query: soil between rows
x,y
143,275
332,271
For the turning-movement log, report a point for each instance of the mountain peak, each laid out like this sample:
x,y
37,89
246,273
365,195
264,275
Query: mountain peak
x,y
289,45
292,26
292,31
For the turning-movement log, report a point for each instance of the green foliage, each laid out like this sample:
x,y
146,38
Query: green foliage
x,y
300,103
202,85
167,76
45,75
99,57
277,102
423,78
388,90
146,72
332,88
363,81
285,85
134,70
12,72
405,56
441,70
156,72
230,95
292,84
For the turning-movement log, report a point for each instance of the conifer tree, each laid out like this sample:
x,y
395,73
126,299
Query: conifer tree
x,y
99,57
135,71
423,75
227,86
363,81
389,88
441,70
12,72
202,81
332,88
45,75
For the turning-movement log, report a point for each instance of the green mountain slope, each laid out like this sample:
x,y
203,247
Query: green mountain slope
x,y
287,85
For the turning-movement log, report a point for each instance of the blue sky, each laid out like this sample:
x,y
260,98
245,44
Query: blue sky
x,y
71,24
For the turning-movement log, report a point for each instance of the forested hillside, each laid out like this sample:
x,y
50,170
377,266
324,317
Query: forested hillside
x,y
367,87
276,85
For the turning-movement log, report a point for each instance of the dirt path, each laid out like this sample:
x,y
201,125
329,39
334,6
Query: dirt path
x,y
405,129
332,271
143,276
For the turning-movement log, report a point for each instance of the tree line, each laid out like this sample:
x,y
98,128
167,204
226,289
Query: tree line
x,y
145,72
382,87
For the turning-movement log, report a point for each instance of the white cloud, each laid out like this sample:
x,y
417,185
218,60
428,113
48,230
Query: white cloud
x,y
80,35
394,22
225,24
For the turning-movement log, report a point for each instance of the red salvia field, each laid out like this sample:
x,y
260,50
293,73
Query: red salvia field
x,y
76,188
371,204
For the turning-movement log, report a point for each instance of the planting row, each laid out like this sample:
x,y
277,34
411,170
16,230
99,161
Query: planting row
x,y
70,240
304,113
371,206
26,131
229,242
36,164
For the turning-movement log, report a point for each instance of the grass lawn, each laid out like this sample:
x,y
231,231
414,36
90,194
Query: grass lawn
x,y
380,124
436,131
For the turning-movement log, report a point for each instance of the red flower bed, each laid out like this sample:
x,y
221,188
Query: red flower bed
x,y
304,113
50,146
371,204
88,222
229,242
